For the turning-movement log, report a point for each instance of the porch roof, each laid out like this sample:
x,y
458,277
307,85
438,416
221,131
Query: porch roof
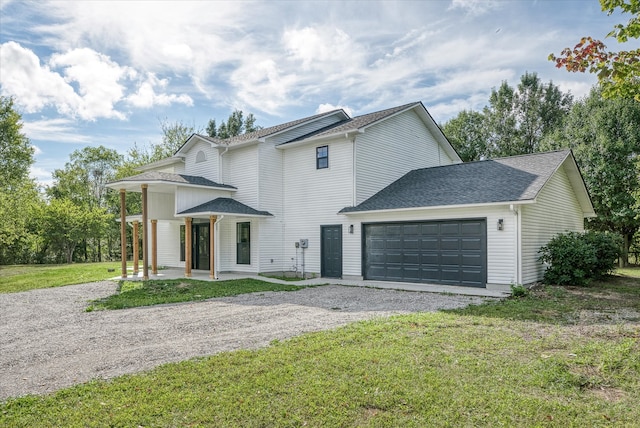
x,y
224,206
165,178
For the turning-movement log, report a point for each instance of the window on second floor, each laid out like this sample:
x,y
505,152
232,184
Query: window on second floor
x,y
322,157
200,157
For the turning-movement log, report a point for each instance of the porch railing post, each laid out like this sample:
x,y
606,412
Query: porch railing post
x,y
212,247
123,232
145,234
187,246
136,247
154,247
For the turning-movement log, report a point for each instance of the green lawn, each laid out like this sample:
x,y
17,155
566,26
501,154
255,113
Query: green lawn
x,y
154,292
29,277
489,365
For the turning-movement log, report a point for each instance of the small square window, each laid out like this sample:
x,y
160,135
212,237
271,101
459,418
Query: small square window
x,y
322,157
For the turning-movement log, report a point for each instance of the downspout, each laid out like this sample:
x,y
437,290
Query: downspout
x,y
220,175
353,171
216,255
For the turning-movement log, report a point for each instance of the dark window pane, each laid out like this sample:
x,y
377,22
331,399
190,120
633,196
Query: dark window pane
x,y
322,157
243,243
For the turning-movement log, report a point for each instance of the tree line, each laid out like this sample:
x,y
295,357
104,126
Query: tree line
x,y
603,133
74,219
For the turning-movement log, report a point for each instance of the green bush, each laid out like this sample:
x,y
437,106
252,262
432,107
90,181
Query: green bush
x,y
577,258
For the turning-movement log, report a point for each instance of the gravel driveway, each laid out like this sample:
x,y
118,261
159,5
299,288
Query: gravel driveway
x,y
48,341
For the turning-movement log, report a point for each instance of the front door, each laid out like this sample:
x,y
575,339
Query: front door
x,y
331,251
201,242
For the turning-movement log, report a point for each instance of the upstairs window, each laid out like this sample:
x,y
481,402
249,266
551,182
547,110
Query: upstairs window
x,y
322,157
200,157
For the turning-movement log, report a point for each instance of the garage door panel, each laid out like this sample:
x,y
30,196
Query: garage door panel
x,y
429,244
430,258
450,229
471,244
411,243
450,259
472,260
472,228
376,244
411,229
449,244
437,252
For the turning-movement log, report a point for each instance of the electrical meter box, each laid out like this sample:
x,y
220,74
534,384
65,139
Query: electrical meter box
x,y
304,243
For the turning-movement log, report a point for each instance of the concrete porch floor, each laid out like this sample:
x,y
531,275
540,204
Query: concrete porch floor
x,y
176,273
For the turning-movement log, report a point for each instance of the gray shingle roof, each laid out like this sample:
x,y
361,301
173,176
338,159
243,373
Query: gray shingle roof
x,y
517,178
355,123
224,205
176,178
272,129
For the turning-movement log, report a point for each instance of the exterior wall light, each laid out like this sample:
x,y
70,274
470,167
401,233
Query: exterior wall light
x,y
500,224
350,228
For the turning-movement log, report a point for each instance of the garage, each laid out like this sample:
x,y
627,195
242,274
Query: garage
x,y
451,252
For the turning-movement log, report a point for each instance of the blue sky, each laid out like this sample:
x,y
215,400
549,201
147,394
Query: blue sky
x,y
106,73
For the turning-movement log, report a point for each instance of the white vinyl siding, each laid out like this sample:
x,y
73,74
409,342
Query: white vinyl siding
x,y
189,197
168,243
501,254
313,197
227,256
390,149
556,211
161,206
241,171
207,169
270,237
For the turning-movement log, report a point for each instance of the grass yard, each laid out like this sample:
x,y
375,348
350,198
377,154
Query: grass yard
x,y
28,277
132,294
574,361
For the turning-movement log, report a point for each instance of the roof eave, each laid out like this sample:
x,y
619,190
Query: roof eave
x,y
116,185
437,207
220,213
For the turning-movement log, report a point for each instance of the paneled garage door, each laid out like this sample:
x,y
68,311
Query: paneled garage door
x,y
435,252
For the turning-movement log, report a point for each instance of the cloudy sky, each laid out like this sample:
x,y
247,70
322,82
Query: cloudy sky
x,y
106,73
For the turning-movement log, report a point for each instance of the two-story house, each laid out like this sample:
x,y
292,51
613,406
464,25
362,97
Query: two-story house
x,y
382,196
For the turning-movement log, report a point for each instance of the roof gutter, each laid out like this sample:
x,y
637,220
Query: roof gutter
x,y
437,207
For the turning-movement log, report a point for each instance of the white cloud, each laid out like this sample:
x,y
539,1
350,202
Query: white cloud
x,y
323,108
56,130
33,85
36,150
474,7
98,80
146,96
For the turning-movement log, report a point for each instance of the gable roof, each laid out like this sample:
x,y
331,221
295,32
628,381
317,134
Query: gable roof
x,y
354,124
169,178
506,180
361,123
224,206
256,135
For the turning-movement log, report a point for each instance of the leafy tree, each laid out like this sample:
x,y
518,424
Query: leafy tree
x,y
605,137
64,225
174,134
16,153
513,123
468,135
18,193
235,125
618,72
83,181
